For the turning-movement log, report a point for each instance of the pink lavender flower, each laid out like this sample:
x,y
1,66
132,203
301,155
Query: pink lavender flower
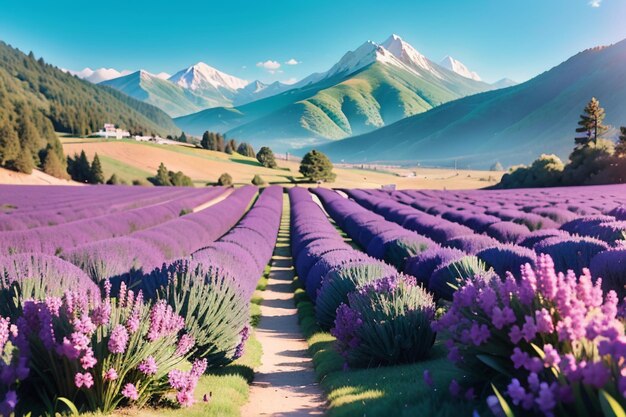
x,y
83,380
529,329
130,392
118,340
185,344
88,361
110,375
80,341
148,366
551,356
84,325
163,321
544,321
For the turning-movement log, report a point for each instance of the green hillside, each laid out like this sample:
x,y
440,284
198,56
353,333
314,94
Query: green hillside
x,y
512,125
148,88
332,109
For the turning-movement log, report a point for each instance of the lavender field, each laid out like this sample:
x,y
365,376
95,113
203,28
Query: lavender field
x,y
115,297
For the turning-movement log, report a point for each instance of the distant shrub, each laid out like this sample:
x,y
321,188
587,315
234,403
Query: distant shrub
x,y
140,183
246,149
165,177
266,157
546,171
386,322
225,180
316,166
114,180
257,180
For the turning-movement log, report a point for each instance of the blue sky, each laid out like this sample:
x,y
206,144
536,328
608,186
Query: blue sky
x,y
496,38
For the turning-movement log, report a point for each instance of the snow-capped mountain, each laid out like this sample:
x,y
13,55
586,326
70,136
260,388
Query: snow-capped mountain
x,y
163,75
257,90
202,76
408,55
99,75
457,66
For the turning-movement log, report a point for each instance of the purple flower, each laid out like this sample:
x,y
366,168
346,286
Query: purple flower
x,y
551,357
454,388
428,379
83,380
130,392
185,344
479,334
118,340
502,317
148,366
519,358
544,321
110,375
545,400
596,374
88,361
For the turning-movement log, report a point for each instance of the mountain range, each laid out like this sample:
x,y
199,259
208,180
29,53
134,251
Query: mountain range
x,y
370,87
511,125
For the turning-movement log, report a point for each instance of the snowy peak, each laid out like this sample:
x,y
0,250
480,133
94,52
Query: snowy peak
x,y
456,66
99,75
406,53
202,76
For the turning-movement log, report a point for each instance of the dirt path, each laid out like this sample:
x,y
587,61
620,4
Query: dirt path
x,y
285,384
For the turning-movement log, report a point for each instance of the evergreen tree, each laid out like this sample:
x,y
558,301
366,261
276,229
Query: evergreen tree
x,y
178,179
162,177
591,127
206,140
96,175
83,168
183,138
620,147
219,142
266,157
9,144
52,165
114,180
228,149
246,149
317,167
233,144
24,162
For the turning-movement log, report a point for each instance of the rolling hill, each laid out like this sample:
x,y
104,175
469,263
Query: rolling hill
x,y
370,87
169,97
512,125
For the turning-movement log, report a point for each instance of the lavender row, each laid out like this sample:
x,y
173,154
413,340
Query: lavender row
x,y
61,238
25,207
141,252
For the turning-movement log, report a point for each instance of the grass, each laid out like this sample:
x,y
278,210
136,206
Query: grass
x,y
123,171
384,391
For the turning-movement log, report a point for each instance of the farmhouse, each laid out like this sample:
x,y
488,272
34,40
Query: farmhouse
x,y
110,131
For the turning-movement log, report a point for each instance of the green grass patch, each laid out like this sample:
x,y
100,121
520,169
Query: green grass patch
x,y
383,391
123,171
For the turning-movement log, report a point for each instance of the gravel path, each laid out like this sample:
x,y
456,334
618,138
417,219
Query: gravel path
x,y
285,384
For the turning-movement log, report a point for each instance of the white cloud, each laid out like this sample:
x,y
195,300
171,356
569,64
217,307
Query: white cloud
x,y
290,81
292,61
595,3
269,65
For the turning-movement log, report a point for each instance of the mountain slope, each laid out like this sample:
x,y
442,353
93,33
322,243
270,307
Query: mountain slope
x,y
369,87
458,67
513,125
71,104
99,75
152,89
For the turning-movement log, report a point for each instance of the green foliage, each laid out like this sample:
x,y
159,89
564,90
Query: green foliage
x,y
225,180
591,127
266,157
546,171
52,164
114,180
96,174
396,325
399,250
167,178
79,167
586,162
213,310
9,143
246,149
228,149
620,148
257,180
340,282
316,166
24,162
212,141
447,278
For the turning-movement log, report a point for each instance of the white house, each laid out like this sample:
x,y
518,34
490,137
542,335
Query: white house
x,y
110,131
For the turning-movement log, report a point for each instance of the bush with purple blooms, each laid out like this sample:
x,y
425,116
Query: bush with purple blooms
x,y
101,353
551,340
13,366
385,322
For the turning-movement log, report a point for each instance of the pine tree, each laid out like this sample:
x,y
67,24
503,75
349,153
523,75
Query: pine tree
x,y
52,165
590,124
162,177
233,144
245,149
266,157
96,175
219,142
183,138
83,168
620,147
114,180
228,149
9,144
24,162
317,167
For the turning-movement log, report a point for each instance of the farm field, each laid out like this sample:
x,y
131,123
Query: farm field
x,y
413,302
132,160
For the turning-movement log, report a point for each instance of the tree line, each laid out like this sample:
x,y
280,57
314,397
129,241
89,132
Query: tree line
x,y
594,159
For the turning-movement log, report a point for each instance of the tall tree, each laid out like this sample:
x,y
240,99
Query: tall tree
x,y
317,167
24,162
219,142
620,147
162,176
183,138
9,144
246,149
266,157
96,173
590,124
52,165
